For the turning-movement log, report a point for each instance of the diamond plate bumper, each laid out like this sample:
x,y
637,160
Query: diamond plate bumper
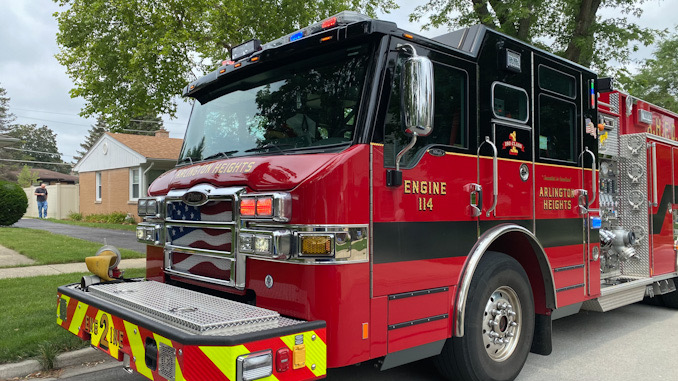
x,y
169,333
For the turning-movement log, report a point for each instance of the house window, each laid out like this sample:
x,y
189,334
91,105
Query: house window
x,y
98,186
134,184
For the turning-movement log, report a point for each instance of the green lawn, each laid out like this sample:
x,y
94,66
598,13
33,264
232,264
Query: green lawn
x,y
47,248
95,224
28,316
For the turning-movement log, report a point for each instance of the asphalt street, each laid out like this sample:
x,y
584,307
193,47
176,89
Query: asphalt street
x,y
636,342
125,239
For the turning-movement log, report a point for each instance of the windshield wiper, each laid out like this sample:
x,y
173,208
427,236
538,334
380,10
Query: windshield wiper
x,y
187,158
221,154
268,147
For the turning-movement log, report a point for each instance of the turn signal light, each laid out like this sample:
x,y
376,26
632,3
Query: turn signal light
x,y
265,206
316,245
248,206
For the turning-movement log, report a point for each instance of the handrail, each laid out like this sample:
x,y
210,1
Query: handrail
x,y
495,175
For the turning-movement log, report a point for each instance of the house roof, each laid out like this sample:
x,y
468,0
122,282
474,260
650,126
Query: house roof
x,y
46,175
153,147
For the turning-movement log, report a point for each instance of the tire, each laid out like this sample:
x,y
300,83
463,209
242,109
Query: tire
x,y
499,304
671,299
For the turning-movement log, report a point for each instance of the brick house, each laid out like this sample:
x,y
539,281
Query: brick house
x,y
118,169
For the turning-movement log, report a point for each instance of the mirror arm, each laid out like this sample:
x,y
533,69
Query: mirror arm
x,y
404,150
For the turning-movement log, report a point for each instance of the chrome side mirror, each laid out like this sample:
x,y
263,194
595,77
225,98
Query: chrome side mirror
x,y
418,95
417,100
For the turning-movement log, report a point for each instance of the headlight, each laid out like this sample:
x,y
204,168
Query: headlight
x,y
141,207
152,208
150,234
246,243
262,244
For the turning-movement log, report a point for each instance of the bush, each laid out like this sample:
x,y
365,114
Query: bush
x,y
112,218
13,203
75,216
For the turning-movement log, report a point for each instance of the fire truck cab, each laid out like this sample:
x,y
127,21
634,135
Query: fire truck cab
x,y
353,192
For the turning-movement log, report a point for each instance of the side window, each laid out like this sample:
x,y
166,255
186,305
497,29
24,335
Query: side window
x,y
98,185
509,102
557,82
557,122
450,124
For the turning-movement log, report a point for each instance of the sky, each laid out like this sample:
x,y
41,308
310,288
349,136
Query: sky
x,y
39,86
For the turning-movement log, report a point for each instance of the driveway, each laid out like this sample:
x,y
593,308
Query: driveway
x,y
124,239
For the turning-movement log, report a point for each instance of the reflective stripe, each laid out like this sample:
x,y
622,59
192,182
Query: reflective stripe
x,y
138,351
224,358
78,317
316,352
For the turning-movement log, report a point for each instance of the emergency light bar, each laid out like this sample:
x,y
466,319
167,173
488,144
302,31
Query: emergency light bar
x,y
342,18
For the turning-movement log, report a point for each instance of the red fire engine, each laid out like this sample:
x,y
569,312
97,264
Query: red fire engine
x,y
354,192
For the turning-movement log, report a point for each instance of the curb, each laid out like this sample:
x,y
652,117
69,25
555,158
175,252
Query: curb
x,y
63,360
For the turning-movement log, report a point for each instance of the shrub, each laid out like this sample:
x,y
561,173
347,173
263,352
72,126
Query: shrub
x,y
75,216
116,218
112,218
13,203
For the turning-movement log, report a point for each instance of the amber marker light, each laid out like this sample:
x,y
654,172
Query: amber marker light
x,y
407,35
254,59
247,207
238,65
325,38
316,245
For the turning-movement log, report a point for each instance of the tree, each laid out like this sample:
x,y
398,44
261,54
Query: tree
x,y
657,79
6,117
93,134
27,177
143,124
133,57
573,29
37,144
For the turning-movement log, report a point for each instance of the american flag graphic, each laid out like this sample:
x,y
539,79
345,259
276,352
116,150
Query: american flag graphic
x,y
213,211
195,264
200,238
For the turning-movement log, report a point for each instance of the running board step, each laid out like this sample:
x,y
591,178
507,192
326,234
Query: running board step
x,y
191,311
615,299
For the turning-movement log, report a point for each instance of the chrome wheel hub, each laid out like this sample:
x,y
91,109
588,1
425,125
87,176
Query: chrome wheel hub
x,y
502,323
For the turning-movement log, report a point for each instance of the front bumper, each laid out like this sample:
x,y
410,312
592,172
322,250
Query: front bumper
x,y
161,341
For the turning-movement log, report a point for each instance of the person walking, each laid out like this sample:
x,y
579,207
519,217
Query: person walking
x,y
41,194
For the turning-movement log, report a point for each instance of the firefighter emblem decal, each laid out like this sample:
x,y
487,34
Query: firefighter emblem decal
x,y
513,145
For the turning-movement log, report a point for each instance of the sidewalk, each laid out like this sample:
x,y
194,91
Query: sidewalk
x,y
64,268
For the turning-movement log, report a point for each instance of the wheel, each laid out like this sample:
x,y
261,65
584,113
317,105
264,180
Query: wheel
x,y
498,327
671,299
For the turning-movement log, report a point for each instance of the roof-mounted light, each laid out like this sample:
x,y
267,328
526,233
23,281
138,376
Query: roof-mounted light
x,y
245,50
342,18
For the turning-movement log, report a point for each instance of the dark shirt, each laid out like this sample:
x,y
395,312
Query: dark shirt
x,y
43,194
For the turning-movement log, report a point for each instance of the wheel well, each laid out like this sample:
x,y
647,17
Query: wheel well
x,y
531,257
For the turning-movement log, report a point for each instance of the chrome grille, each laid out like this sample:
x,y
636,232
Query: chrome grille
x,y
212,211
200,238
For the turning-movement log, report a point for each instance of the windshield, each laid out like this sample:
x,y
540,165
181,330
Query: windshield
x,y
299,107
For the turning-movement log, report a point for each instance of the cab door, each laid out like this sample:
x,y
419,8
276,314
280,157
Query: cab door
x,y
505,154
422,228
566,148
